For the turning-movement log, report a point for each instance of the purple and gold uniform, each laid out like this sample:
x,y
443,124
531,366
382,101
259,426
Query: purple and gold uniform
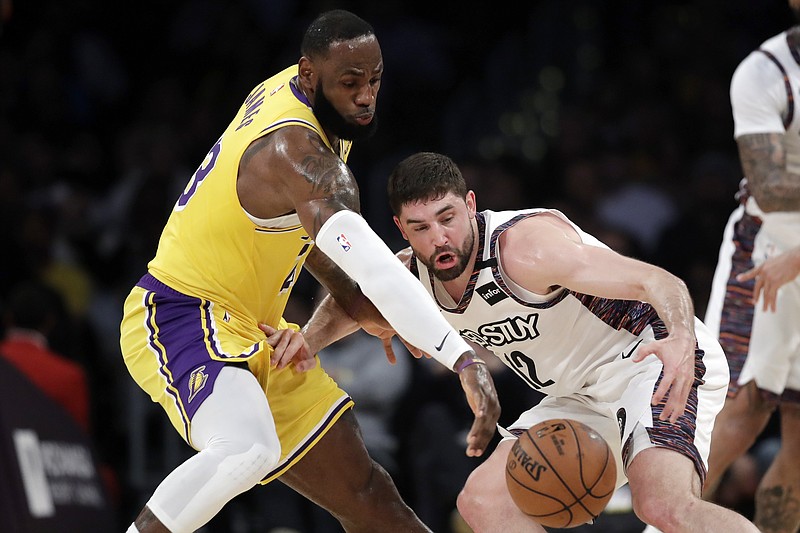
x,y
217,274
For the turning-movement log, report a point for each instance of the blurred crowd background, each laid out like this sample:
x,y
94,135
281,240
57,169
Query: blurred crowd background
x,y
616,112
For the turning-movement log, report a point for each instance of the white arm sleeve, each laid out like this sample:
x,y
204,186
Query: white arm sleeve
x,y
348,241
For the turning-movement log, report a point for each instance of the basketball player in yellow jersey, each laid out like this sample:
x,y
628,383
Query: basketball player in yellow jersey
x,y
273,193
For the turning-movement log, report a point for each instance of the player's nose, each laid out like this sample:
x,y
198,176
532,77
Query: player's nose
x,y
439,236
366,96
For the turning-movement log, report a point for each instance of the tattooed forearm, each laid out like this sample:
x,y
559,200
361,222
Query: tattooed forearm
x,y
763,158
777,510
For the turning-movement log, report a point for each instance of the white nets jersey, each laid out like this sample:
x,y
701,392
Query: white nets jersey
x,y
765,93
577,349
561,343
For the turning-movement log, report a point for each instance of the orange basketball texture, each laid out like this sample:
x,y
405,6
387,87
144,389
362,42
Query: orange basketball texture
x,y
561,473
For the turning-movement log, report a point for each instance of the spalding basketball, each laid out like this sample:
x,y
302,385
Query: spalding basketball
x,y
561,473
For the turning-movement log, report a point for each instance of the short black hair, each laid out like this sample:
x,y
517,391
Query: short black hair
x,y
332,27
424,176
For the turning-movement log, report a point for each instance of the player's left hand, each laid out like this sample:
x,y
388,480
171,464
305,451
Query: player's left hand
x,y
677,355
289,346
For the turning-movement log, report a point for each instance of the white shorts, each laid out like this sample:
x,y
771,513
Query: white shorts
x,y
761,346
630,424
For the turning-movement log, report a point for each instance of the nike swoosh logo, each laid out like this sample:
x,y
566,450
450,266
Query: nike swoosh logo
x,y
439,348
630,353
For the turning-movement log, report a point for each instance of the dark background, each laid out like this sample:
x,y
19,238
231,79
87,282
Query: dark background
x,y
616,112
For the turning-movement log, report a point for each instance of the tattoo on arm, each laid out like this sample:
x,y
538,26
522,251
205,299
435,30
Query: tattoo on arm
x,y
252,150
333,186
763,158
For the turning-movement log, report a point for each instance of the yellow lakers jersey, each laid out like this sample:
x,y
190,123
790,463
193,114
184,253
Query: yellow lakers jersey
x,y
210,248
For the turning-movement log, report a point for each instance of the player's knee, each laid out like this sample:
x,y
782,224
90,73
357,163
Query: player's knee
x,y
249,456
375,499
470,504
249,465
378,487
665,514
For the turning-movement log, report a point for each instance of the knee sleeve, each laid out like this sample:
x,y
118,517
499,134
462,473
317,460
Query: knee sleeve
x,y
205,483
239,446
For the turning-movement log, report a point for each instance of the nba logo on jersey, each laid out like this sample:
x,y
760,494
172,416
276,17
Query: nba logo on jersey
x,y
276,89
343,242
491,293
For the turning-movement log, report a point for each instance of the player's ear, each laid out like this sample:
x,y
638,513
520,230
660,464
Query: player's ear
x,y
305,73
400,227
471,204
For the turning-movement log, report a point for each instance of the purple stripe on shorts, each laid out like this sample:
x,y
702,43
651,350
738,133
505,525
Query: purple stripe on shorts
x,y
175,322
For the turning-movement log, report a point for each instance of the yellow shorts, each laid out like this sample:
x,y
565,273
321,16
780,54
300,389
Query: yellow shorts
x,y
175,345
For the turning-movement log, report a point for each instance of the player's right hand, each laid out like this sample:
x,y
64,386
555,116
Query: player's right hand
x,y
771,275
482,398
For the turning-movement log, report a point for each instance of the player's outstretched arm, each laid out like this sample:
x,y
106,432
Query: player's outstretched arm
x,y
545,251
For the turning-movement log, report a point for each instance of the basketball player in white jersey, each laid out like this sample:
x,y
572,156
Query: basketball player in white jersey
x,y
762,339
612,342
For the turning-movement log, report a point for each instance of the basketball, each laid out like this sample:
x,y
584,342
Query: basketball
x,y
561,473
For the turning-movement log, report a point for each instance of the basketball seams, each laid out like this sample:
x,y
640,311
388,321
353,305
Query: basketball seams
x,y
590,487
566,506
578,446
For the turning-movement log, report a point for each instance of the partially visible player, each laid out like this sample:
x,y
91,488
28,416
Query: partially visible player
x,y
762,341
274,193
613,343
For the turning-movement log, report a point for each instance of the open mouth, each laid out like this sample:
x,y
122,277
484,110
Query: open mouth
x,y
446,260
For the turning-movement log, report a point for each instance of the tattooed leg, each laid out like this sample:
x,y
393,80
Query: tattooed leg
x,y
778,495
775,508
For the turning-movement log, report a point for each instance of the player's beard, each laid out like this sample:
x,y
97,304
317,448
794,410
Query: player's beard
x,y
462,258
332,121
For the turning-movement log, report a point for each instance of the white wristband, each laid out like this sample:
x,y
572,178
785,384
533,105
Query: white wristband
x,y
349,241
